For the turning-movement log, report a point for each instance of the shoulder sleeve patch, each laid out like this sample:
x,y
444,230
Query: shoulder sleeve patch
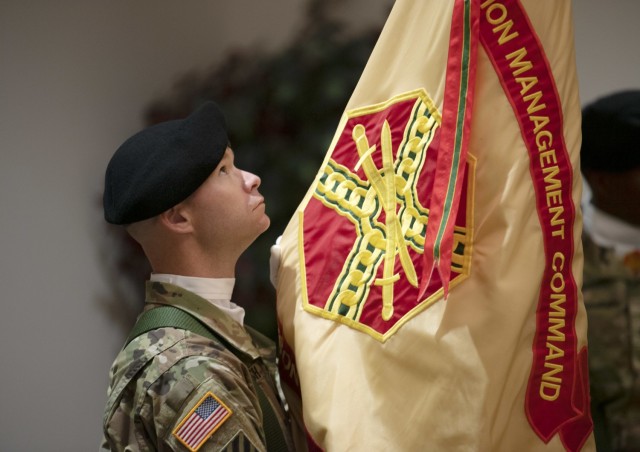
x,y
240,443
208,414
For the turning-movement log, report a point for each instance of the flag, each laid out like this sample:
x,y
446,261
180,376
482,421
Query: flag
x,y
428,290
201,422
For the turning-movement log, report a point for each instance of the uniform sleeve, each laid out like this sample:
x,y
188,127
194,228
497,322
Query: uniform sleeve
x,y
209,406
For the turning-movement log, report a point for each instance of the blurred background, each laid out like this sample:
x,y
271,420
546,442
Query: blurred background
x,y
78,77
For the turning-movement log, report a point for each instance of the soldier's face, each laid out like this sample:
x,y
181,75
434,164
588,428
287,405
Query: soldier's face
x,y
227,209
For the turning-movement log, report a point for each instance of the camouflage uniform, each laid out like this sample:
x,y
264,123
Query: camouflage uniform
x,y
161,376
612,297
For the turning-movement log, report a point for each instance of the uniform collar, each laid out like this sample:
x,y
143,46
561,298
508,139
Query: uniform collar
x,y
216,291
235,334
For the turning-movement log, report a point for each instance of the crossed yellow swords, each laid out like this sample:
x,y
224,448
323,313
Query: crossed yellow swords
x,y
384,184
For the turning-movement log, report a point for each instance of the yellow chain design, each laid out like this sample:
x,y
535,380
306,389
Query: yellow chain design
x,y
362,201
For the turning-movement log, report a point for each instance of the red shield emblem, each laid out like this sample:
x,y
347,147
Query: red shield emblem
x,y
363,228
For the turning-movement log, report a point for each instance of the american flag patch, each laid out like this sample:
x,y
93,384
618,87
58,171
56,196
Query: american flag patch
x,y
204,419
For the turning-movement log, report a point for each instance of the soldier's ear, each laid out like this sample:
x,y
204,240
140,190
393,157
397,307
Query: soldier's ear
x,y
176,219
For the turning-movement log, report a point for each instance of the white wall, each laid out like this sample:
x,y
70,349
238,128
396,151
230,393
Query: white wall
x,y
74,78
607,40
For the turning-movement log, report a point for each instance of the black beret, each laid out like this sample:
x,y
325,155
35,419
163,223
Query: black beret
x,y
163,165
611,133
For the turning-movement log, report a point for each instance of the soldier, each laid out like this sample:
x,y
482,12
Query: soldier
x,y
192,376
611,165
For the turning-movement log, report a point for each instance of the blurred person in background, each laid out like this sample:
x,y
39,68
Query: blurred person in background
x,y
610,162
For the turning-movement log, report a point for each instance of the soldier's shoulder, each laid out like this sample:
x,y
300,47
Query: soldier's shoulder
x,y
181,373
221,416
171,351
204,378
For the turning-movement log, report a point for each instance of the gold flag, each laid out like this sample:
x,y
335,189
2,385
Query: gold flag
x,y
428,290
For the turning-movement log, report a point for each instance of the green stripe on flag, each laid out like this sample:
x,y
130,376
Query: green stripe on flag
x,y
464,85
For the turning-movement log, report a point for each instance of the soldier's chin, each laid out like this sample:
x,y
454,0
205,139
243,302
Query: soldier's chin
x,y
265,222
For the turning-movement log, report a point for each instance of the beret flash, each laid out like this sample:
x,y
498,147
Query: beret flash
x,y
163,165
611,133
